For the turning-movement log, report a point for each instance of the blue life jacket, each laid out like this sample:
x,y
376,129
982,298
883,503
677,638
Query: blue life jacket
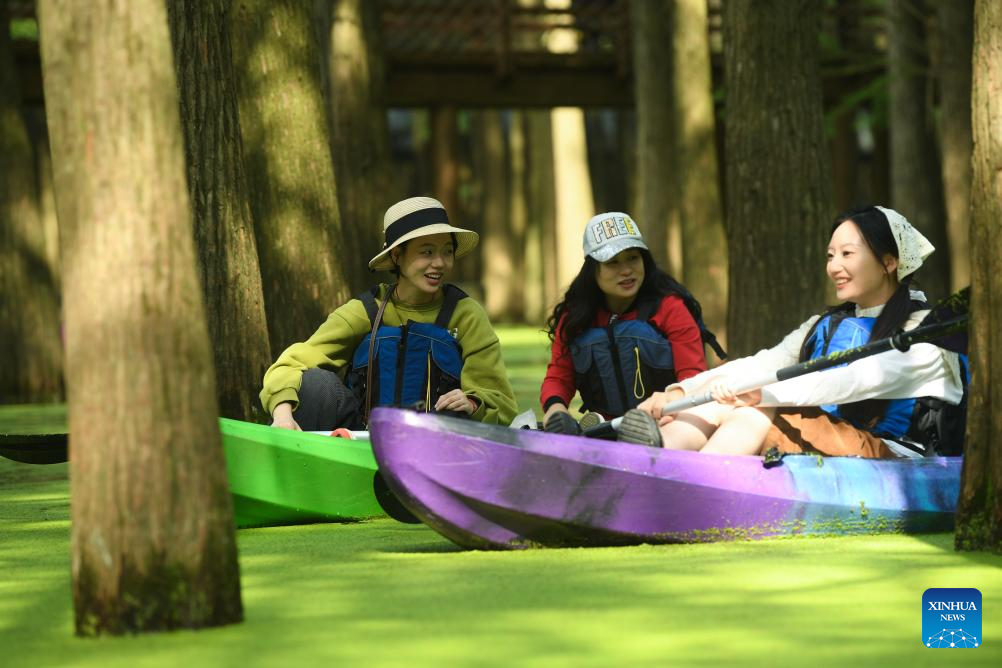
x,y
838,331
619,365
415,363
933,424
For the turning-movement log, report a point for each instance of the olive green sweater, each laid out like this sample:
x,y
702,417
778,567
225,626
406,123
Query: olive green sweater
x,y
333,345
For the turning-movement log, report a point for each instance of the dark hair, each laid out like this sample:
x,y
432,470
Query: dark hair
x,y
877,235
584,299
403,246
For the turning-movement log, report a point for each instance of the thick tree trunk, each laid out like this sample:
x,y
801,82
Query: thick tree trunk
x,y
543,203
704,249
916,182
300,240
496,244
953,69
778,169
360,132
224,233
153,540
31,355
979,512
656,198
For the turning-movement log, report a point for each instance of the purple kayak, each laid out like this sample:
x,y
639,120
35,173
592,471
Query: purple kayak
x,y
489,487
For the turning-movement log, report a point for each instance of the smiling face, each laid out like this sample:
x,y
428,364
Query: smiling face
x,y
620,278
423,264
860,276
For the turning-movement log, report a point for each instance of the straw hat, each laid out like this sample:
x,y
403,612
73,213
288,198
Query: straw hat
x,y
418,217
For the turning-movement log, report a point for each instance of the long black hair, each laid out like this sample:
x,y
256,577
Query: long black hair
x,y
584,299
876,233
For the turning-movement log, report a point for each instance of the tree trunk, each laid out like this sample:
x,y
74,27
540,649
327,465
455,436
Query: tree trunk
x,y
359,128
916,185
518,224
574,204
445,178
286,144
704,249
956,32
496,244
542,195
153,541
652,66
778,169
31,355
224,233
979,511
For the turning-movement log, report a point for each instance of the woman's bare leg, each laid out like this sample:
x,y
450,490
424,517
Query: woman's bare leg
x,y
692,428
742,432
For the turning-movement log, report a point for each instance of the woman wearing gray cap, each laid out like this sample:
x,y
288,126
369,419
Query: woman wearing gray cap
x,y
624,329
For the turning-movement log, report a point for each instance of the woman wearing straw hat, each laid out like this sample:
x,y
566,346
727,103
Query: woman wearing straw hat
x,y
434,347
880,406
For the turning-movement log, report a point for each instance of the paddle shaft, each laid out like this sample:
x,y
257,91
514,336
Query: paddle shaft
x,y
901,341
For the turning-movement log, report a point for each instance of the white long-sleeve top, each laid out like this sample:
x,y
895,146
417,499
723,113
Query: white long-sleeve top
x,y
924,371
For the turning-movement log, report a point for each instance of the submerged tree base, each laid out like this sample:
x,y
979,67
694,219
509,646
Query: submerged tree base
x,y
168,598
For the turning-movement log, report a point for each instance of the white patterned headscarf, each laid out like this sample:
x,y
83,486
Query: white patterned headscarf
x,y
913,248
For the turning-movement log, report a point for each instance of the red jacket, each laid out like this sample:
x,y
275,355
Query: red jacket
x,y
672,318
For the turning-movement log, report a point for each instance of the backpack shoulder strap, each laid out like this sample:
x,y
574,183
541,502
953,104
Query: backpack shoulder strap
x,y
696,311
646,308
452,297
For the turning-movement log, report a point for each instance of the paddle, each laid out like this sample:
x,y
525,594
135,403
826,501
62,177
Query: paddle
x,y
945,325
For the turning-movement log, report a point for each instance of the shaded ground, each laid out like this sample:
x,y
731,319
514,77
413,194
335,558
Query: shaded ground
x,y
385,594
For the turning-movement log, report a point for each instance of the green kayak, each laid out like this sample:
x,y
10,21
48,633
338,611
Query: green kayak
x,y
292,477
276,476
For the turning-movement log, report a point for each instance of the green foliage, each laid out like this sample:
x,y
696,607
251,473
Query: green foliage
x,y
24,29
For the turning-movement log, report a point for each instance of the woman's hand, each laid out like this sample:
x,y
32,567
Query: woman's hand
x,y
283,417
455,401
654,403
723,393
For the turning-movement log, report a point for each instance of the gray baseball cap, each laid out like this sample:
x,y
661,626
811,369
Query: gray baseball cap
x,y
608,234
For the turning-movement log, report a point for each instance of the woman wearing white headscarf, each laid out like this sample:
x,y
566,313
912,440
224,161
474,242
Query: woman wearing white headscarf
x,y
873,407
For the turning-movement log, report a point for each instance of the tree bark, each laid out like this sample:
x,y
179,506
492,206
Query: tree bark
x,y
153,540
360,134
979,511
518,224
224,233
916,185
953,69
778,169
31,355
704,249
656,163
445,177
542,195
300,239
496,243
574,204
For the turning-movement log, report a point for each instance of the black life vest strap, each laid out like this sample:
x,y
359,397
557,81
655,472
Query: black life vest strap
x,y
375,317
452,297
368,299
